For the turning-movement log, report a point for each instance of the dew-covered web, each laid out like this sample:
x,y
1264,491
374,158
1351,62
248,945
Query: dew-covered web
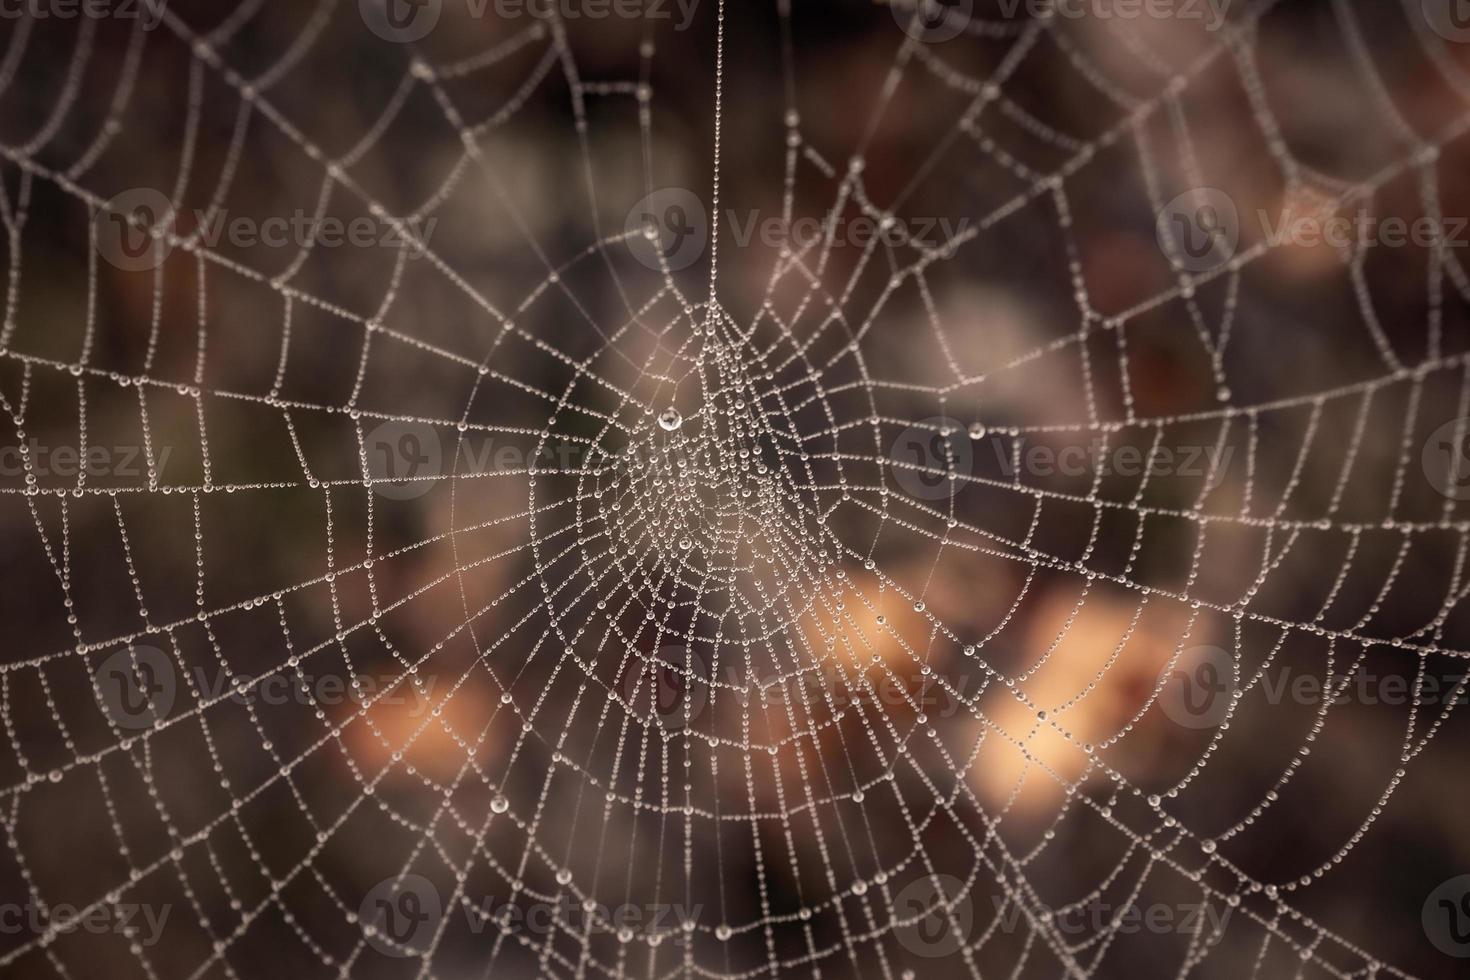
x,y
582,587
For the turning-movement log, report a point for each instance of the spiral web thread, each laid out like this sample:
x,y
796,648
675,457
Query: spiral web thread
x,y
723,521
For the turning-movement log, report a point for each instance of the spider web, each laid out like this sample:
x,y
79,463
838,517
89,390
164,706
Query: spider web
x,y
715,606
